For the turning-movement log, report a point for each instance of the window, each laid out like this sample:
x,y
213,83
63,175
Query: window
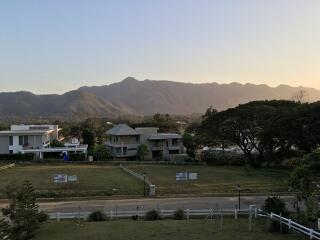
x,y
110,138
174,142
20,140
10,140
25,140
11,151
137,138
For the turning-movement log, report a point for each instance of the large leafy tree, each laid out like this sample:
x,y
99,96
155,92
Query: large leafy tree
x,y
4,229
142,152
304,181
190,144
22,212
249,126
101,152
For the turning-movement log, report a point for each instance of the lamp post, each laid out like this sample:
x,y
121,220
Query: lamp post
x,y
239,190
144,184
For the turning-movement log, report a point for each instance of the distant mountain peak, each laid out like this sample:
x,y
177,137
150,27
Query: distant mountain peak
x,y
130,79
145,97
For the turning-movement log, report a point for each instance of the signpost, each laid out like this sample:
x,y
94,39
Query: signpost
x,y
64,178
72,178
60,178
185,176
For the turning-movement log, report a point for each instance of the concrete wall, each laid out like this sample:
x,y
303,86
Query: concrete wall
x,y
35,142
129,139
145,133
4,144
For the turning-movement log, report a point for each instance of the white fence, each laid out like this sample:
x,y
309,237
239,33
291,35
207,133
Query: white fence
x,y
7,166
152,187
189,213
296,227
251,212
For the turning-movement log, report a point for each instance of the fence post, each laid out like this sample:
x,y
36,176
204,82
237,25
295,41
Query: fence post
x,y
256,213
289,223
250,218
235,213
58,216
188,214
111,214
280,222
311,233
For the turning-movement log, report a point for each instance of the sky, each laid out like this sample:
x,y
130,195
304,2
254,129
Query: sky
x,y
53,46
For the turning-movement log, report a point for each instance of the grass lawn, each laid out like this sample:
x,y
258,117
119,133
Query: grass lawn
x,y
159,230
215,179
92,180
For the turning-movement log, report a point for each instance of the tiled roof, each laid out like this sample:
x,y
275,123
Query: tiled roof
x,y
161,136
122,129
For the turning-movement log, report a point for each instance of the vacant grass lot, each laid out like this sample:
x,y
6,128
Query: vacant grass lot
x,y
215,179
92,180
158,230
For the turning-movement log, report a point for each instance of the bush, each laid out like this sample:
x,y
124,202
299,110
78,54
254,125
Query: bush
x,y
43,217
274,226
97,216
77,157
178,214
275,205
135,217
17,157
217,158
152,215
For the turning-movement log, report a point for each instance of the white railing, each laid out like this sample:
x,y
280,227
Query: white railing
x,y
189,213
251,212
7,166
296,227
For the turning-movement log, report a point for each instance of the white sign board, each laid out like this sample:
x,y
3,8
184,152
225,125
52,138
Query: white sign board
x,y
185,176
181,176
60,178
72,178
193,176
318,223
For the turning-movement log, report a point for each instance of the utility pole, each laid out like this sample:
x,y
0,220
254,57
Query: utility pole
x,y
239,195
144,184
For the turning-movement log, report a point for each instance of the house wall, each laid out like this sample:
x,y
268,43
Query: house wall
x,y
129,139
35,142
166,146
4,144
145,133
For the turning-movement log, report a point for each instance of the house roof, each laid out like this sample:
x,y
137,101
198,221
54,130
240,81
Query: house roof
x,y
163,136
25,132
122,129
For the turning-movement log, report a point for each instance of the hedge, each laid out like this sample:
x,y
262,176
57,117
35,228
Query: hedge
x,y
17,157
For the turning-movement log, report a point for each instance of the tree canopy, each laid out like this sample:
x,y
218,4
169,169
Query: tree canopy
x,y
264,130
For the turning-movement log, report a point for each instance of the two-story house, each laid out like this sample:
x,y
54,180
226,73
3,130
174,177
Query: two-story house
x,y
123,142
34,139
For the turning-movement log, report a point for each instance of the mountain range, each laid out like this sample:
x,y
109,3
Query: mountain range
x,y
147,97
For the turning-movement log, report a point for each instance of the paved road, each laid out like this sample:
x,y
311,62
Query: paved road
x,y
156,203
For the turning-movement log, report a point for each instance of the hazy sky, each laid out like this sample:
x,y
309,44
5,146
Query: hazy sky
x,y
52,46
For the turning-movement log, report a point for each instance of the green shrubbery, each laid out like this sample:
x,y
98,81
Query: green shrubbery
x,y
275,205
17,157
152,215
212,158
178,214
81,157
97,216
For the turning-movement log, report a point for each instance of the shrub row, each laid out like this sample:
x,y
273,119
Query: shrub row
x,y
213,159
17,157
152,215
